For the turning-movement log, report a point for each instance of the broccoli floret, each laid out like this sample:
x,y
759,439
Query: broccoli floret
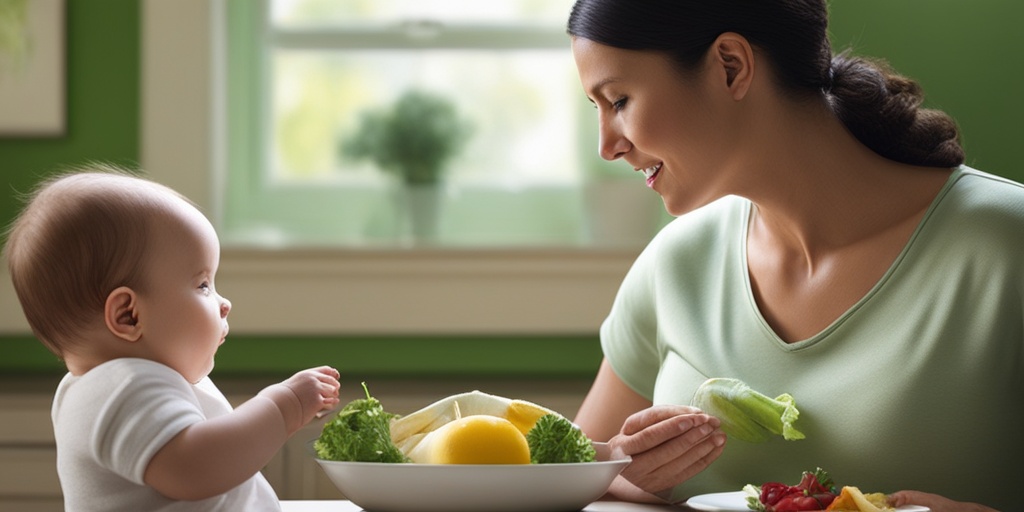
x,y
360,432
555,440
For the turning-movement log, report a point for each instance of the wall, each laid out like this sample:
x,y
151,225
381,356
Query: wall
x,y
966,54
102,123
103,100
968,57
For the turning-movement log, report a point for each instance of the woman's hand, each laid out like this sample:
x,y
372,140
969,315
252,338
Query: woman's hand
x,y
934,502
669,444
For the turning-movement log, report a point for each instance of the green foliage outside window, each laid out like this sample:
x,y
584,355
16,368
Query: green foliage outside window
x,y
413,139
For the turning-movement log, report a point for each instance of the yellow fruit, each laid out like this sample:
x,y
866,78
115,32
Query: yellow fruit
x,y
479,439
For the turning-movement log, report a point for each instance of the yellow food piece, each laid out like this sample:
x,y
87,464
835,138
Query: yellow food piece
x,y
851,499
524,415
479,439
415,433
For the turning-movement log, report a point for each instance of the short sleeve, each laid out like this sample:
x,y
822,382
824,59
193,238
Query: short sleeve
x,y
629,333
146,405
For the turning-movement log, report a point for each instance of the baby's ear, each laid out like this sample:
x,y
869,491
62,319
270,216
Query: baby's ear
x,y
121,315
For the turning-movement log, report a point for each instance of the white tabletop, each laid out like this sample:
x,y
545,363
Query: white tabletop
x,y
348,506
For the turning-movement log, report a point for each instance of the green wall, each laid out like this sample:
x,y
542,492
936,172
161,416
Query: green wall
x,y
102,124
967,55
102,100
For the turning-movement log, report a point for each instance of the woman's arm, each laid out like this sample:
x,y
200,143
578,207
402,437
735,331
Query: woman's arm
x,y
607,405
215,455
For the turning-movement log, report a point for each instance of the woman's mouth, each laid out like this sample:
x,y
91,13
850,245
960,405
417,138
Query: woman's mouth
x,y
651,173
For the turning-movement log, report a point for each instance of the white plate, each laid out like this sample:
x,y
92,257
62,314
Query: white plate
x,y
736,501
380,487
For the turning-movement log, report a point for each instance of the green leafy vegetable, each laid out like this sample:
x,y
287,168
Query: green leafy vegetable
x,y
746,414
360,432
555,440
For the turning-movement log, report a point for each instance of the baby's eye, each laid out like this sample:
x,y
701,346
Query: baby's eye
x,y
205,287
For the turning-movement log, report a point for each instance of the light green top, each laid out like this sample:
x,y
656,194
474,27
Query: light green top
x,y
920,385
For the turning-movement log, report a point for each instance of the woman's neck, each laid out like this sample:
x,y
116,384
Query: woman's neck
x,y
817,188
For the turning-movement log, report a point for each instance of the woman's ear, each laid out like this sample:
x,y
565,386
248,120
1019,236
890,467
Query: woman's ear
x,y
734,61
121,315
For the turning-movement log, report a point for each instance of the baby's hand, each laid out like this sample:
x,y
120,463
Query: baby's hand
x,y
304,395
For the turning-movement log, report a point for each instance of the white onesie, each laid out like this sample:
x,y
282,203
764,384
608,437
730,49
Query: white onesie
x,y
110,422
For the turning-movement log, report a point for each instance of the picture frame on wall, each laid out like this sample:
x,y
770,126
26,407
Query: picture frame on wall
x,y
32,68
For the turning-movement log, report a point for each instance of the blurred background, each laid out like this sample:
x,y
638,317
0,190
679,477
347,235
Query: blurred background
x,y
478,251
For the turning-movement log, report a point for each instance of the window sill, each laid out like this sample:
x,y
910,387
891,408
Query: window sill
x,y
437,291
415,292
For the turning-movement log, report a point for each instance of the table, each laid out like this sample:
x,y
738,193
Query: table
x,y
348,506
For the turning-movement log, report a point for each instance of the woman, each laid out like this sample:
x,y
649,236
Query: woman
x,y
830,244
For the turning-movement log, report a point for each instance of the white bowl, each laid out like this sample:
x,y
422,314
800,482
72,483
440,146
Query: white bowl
x,y
381,487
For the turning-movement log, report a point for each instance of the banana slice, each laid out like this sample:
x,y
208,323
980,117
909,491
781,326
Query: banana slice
x,y
412,433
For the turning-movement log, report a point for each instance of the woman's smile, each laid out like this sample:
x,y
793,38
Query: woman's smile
x,y
651,173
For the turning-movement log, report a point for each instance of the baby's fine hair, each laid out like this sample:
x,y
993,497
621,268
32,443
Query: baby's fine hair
x,y
82,234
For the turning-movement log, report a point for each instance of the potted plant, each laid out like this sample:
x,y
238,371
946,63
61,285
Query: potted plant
x,y
414,139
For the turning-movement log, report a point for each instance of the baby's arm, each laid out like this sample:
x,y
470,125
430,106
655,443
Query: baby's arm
x,y
213,456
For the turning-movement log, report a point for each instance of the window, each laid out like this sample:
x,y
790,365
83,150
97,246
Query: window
x,y
304,74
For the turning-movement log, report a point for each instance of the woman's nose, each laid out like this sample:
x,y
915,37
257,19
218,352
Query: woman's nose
x,y
612,145
225,307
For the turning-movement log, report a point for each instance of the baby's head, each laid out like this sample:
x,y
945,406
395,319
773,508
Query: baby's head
x,y
98,254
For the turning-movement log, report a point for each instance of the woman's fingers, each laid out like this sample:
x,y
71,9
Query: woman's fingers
x,y
656,414
657,425
934,502
687,465
669,445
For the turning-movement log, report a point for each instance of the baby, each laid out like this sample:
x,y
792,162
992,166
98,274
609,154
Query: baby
x,y
115,275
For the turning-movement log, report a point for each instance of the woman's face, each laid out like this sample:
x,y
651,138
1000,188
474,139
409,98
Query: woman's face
x,y
671,128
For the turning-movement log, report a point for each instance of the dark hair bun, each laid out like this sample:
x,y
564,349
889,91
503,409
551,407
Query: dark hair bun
x,y
883,110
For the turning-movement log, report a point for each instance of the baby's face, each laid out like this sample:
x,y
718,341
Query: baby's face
x,y
184,319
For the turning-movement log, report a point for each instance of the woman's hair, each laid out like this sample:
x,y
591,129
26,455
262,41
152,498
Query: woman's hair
x,y
81,235
880,108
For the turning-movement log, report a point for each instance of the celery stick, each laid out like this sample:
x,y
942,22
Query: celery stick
x,y
746,414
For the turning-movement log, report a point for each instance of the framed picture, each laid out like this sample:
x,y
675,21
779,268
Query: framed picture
x,y
32,68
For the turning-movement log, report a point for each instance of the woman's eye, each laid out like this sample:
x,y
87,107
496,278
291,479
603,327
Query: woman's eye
x,y
619,104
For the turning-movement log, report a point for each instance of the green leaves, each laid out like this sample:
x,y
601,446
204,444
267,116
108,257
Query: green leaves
x,y
414,139
555,440
746,414
360,432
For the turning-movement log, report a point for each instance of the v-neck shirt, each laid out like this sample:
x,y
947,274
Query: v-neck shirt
x,y
918,385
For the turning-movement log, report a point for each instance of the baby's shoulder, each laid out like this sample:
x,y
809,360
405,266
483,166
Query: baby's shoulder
x,y
120,376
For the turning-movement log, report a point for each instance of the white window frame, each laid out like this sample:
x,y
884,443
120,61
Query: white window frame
x,y
265,191
335,291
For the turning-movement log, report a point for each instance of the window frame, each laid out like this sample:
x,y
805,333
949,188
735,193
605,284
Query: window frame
x,y
262,208
296,291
